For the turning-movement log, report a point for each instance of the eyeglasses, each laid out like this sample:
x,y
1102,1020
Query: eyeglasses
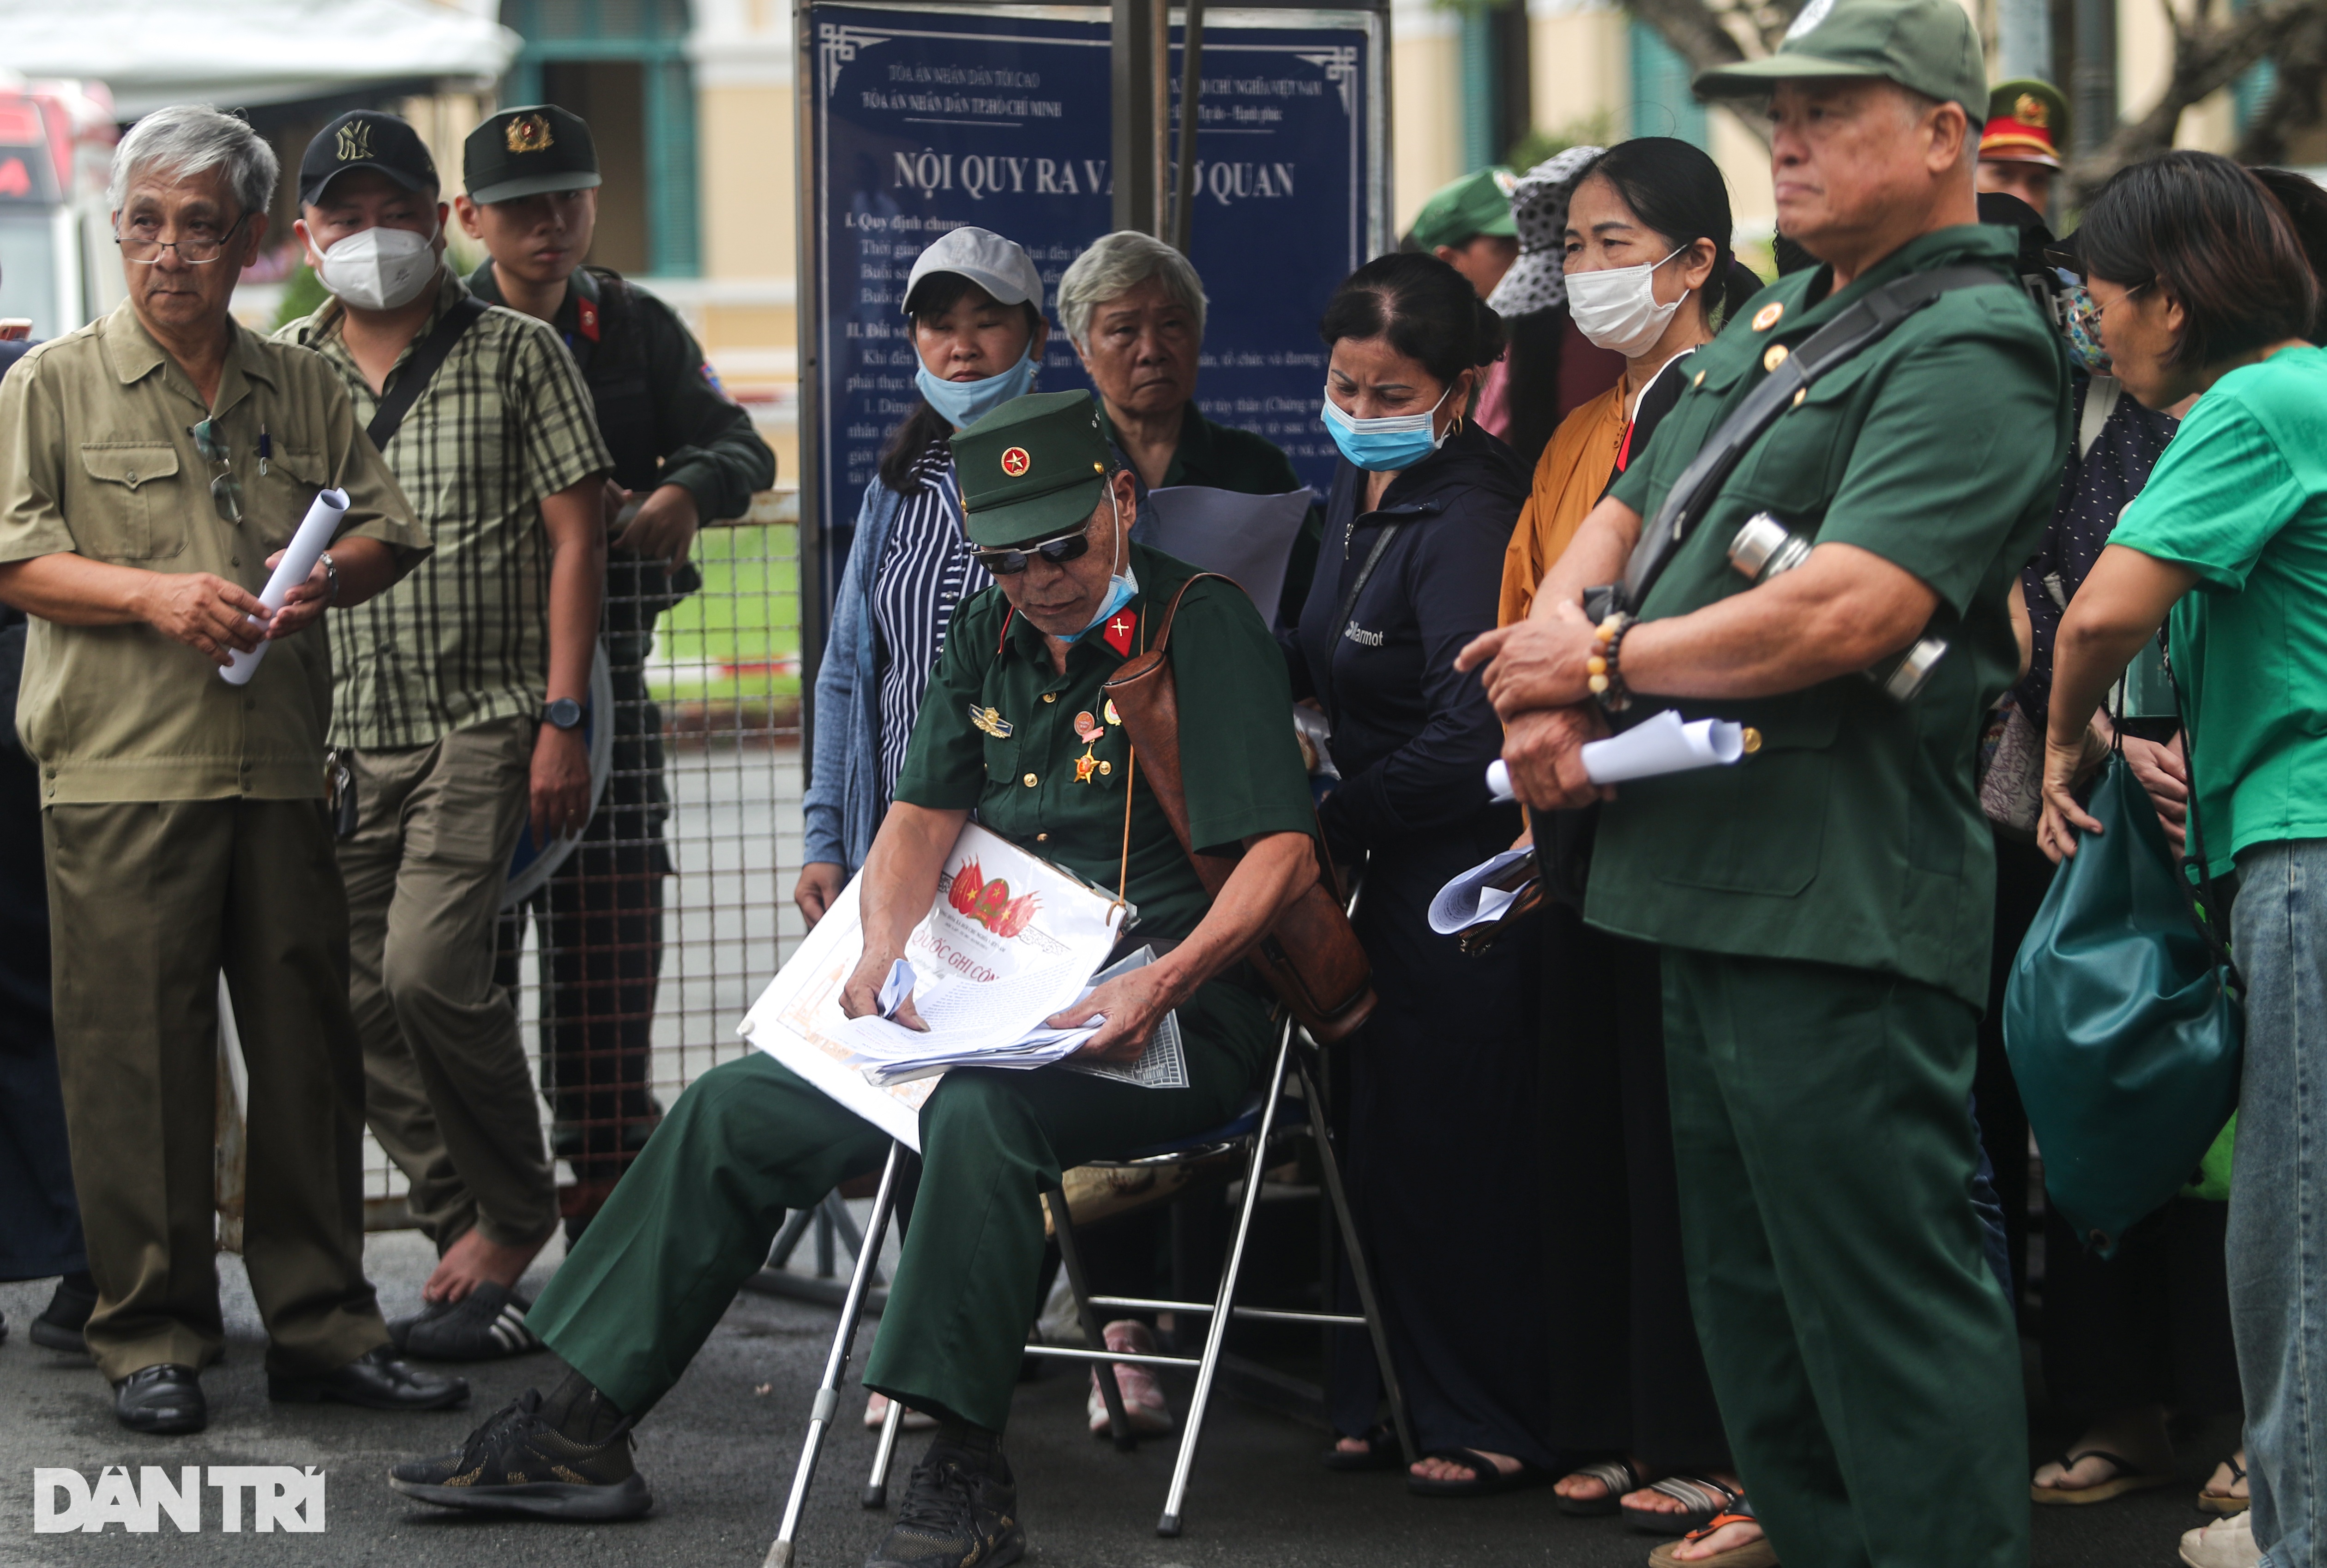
x,y
199,246
226,491
1057,552
2099,309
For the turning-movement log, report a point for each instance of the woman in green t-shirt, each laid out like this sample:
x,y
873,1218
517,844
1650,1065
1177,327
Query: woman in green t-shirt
x,y
2202,288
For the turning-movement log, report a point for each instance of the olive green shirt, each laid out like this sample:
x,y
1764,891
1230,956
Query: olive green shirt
x,y
1045,788
1853,836
98,459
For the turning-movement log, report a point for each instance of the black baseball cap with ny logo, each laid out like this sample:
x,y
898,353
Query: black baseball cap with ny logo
x,y
366,139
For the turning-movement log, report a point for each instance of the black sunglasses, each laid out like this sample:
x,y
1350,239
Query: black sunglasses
x,y
1057,552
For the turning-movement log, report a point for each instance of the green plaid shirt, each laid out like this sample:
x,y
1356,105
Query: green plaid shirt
x,y
464,639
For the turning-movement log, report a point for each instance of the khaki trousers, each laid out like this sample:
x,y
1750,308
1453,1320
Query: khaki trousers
x,y
148,901
446,1088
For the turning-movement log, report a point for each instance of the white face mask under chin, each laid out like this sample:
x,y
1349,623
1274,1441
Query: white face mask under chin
x,y
1616,309
379,268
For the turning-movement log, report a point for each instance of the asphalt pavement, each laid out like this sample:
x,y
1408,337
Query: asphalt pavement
x,y
719,1454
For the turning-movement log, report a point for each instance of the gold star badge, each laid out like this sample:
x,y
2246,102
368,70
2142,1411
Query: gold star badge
x,y
1086,765
1015,462
991,721
1767,316
2030,110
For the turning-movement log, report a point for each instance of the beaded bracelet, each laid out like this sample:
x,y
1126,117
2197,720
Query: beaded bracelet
x,y
1606,679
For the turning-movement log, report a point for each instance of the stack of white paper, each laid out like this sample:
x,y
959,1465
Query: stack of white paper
x,y
892,1053
1009,940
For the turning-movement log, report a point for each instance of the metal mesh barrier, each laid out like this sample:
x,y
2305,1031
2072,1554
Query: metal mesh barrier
x,y
634,963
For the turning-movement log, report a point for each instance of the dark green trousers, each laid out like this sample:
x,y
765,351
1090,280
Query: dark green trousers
x,y
1864,1356
696,1214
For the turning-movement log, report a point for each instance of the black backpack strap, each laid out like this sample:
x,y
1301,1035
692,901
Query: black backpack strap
x,y
421,368
1866,322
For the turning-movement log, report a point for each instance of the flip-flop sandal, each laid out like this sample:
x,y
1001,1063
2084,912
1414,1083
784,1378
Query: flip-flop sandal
x,y
1702,1500
1381,1452
1753,1555
1616,1474
2210,1502
2127,1479
1486,1479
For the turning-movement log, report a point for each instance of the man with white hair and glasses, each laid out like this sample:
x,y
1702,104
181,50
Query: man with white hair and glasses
x,y
151,466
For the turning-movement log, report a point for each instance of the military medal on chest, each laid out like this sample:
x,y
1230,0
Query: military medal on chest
x,y
991,721
1090,732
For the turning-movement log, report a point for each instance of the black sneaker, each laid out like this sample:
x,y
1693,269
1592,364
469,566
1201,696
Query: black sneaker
x,y
485,1325
956,1513
516,1464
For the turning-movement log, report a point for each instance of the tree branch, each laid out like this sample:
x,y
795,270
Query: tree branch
x,y
2207,58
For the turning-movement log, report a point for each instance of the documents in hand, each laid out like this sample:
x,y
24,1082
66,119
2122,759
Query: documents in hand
x,y
895,1054
307,545
1009,940
1246,537
1473,897
1660,745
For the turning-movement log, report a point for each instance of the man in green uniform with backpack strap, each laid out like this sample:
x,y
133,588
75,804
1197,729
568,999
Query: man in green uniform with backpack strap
x,y
1824,906
1015,728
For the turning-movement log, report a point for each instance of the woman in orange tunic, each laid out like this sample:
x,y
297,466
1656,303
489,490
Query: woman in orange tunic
x,y
1649,273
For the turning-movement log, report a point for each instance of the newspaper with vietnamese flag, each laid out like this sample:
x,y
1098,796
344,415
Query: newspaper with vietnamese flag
x,y
1009,940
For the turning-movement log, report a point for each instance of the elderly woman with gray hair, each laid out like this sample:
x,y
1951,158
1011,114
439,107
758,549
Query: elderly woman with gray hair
x,y
1134,309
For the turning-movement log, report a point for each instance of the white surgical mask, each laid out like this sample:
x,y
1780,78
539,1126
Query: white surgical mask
x,y
379,269
1617,308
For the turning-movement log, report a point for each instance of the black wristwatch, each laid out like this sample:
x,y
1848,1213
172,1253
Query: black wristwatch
x,y
564,714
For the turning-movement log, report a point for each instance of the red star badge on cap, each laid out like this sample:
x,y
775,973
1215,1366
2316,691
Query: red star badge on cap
x,y
1119,631
1015,462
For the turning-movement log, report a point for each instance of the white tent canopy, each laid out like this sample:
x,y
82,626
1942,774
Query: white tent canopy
x,y
241,52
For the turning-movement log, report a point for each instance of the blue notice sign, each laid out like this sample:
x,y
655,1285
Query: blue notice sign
x,y
929,120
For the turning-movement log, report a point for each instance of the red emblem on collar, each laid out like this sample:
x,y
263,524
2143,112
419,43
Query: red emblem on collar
x,y
589,320
1118,630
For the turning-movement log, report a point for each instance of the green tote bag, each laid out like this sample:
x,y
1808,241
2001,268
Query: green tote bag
x,y
2121,1023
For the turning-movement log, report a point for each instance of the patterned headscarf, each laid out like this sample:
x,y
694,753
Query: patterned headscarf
x,y
1537,279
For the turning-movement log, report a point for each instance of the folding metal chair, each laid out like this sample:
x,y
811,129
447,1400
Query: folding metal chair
x,y
1273,1118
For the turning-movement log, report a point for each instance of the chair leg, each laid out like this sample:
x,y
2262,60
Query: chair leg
x,y
1216,1335
843,1337
787,1239
876,1489
836,1209
1118,1425
1331,1167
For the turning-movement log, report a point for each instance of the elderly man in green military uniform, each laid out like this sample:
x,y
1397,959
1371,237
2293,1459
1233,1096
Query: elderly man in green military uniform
x,y
1824,906
693,1218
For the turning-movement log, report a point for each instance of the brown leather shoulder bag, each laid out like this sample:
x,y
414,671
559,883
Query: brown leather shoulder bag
x,y
1311,957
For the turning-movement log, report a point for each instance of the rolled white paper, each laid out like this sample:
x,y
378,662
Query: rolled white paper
x,y
1662,744
299,558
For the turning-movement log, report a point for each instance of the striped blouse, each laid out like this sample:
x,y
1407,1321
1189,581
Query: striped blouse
x,y
922,577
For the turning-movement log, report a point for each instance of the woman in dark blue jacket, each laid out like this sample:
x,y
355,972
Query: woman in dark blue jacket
x,y
1442,1092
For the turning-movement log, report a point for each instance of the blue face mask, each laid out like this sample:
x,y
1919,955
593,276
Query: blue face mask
x,y
965,402
1121,588
1379,445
